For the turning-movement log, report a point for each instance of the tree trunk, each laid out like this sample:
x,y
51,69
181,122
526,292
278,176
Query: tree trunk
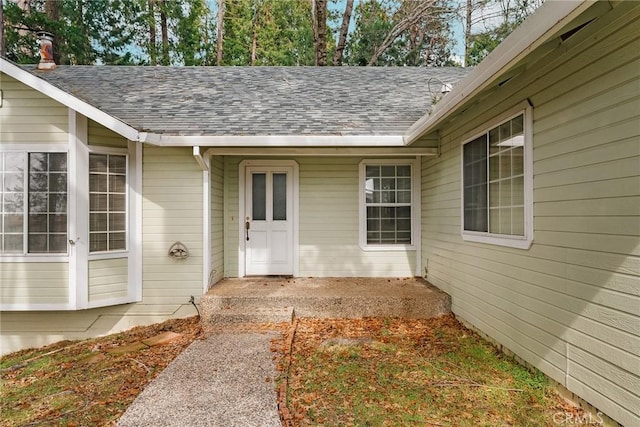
x,y
152,33
52,10
319,16
220,34
344,30
3,52
467,33
254,37
165,33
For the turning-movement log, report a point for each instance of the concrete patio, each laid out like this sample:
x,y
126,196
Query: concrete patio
x,y
278,299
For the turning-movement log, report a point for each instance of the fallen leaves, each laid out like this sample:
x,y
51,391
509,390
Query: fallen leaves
x,y
404,372
89,382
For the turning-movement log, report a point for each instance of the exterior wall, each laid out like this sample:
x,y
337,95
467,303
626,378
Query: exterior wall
x,y
108,278
172,212
217,219
329,223
39,283
100,135
29,117
570,305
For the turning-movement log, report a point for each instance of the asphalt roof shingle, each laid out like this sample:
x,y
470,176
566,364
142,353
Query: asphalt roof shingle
x,y
219,101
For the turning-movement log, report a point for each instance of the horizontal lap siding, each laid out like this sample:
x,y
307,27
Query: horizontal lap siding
x,y
329,223
217,219
172,212
100,135
29,117
108,278
569,305
34,283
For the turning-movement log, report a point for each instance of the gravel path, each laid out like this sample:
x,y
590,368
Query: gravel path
x,y
226,380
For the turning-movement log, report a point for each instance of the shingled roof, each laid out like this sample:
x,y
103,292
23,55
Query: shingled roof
x,y
221,101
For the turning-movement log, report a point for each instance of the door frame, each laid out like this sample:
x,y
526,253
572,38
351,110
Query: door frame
x,y
242,169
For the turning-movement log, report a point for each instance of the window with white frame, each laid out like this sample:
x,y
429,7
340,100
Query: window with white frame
x,y
33,203
496,203
107,202
387,203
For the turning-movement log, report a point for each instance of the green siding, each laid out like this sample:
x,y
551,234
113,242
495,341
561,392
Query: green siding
x,y
329,223
217,219
108,278
100,135
172,211
34,282
570,305
29,117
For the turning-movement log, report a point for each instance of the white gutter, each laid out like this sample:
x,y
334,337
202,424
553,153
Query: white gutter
x,y
69,100
266,141
534,32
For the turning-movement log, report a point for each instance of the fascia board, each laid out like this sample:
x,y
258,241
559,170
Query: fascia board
x,y
68,100
550,18
267,141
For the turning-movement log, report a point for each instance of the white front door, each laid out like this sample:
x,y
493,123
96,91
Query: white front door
x,y
268,222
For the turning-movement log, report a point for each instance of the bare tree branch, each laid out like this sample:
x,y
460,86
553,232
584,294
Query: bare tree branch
x,y
344,29
414,12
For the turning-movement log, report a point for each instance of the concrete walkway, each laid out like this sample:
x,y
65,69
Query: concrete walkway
x,y
225,380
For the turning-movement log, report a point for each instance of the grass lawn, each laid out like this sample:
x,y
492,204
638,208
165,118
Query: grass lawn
x,y
390,372
364,372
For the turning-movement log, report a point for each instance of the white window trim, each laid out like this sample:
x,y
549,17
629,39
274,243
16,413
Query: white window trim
x,y
39,257
519,242
415,205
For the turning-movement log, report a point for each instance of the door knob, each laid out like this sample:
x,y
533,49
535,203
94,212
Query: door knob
x,y
247,226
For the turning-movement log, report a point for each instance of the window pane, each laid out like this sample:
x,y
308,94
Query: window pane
x,y
517,221
279,197
38,182
58,243
117,222
98,163
38,162
38,243
57,223
517,161
13,202
13,223
117,203
13,243
372,171
38,223
97,202
388,171
38,202
117,183
98,242
98,183
259,196
404,170
13,162
118,164
98,222
117,241
13,181
58,182
57,203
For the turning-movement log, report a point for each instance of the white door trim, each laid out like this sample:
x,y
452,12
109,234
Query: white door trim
x,y
241,209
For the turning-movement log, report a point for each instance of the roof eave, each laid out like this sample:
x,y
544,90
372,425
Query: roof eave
x,y
267,141
535,31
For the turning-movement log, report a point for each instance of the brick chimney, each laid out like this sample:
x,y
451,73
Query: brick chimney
x,y
46,51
